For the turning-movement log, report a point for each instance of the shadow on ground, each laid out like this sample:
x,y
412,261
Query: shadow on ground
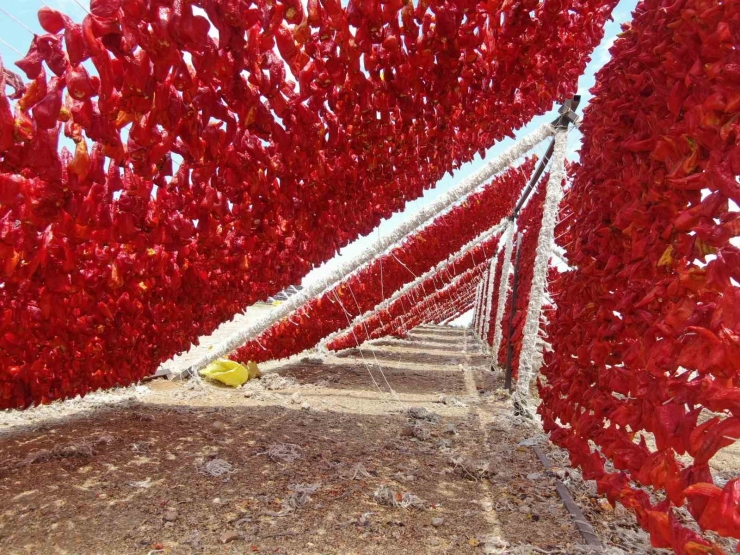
x,y
167,474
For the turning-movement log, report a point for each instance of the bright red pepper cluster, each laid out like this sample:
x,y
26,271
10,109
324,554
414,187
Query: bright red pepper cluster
x,y
444,308
387,273
528,224
646,336
219,158
436,307
494,295
455,311
374,326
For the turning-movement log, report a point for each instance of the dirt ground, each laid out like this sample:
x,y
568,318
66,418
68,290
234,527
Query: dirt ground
x,y
338,457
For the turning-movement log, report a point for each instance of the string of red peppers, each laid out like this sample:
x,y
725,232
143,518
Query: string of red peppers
x,y
435,306
528,224
389,272
441,312
362,330
451,310
219,158
646,335
495,295
444,308
455,313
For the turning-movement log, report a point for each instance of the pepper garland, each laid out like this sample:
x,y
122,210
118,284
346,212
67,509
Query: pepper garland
x,y
484,289
447,310
363,289
441,310
528,224
646,336
458,292
445,270
450,311
497,292
489,298
396,306
453,315
528,348
478,307
205,178
502,293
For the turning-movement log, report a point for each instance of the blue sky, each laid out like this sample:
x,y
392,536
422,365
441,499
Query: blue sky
x,y
15,37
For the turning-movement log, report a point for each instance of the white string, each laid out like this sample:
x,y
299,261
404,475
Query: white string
x,y
489,297
485,279
436,306
380,260
478,304
481,289
362,355
367,334
11,47
404,265
18,21
424,293
474,323
81,6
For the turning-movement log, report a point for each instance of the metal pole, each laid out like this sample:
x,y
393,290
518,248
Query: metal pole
x,y
535,177
512,313
566,117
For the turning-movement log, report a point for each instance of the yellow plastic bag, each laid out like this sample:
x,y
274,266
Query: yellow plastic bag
x,y
231,373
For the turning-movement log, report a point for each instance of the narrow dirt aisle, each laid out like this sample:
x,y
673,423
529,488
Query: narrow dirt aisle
x,y
402,446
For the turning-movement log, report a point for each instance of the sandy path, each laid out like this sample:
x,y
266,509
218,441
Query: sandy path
x,y
136,475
